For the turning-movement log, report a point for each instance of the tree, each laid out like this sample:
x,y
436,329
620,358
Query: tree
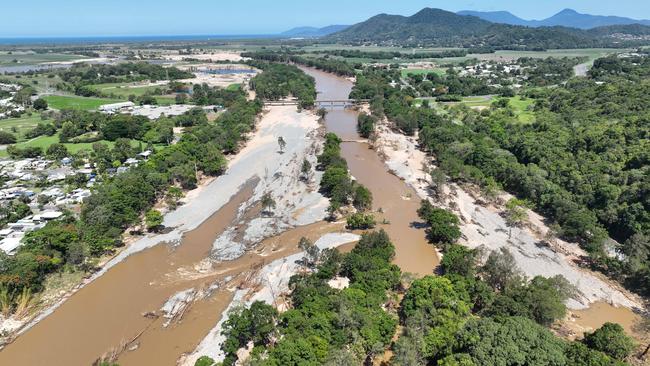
x,y
510,341
515,214
255,324
282,144
68,131
443,224
362,198
305,170
40,104
204,361
580,355
438,181
459,260
610,339
268,203
56,151
153,219
311,252
321,113
435,306
500,270
7,138
173,195
181,98
361,221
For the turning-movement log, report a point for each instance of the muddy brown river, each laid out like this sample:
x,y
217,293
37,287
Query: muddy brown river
x,y
106,316
394,201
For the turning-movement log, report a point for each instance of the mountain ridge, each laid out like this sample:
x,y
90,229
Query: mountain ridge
x,y
566,18
440,28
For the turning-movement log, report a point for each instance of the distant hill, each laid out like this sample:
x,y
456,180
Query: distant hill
x,y
565,18
313,31
504,17
436,27
442,28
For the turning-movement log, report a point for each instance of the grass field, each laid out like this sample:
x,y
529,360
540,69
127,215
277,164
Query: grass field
x,y
520,106
75,102
123,90
18,126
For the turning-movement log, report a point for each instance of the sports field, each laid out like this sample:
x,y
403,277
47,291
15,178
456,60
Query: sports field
x,y
76,102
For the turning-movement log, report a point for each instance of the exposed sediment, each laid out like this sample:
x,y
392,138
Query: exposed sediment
x,y
482,225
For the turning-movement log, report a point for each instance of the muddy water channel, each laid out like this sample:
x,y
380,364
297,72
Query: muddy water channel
x,y
107,316
108,312
396,203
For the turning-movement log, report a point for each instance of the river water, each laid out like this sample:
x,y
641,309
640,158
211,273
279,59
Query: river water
x,y
107,315
396,201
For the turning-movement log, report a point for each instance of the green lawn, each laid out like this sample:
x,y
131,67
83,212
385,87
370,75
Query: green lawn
x,y
234,87
18,126
165,100
123,90
520,107
75,102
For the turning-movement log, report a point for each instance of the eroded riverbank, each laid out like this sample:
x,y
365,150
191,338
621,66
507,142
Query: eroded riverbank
x,y
598,299
107,314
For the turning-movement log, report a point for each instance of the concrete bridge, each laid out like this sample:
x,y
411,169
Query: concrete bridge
x,y
341,103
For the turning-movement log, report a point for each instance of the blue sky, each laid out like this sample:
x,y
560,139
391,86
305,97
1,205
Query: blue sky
x,y
184,17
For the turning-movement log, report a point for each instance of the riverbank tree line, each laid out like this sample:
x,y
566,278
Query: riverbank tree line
x,y
338,67
468,315
582,162
119,201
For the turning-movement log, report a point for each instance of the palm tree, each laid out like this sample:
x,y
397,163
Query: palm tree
x,y
282,144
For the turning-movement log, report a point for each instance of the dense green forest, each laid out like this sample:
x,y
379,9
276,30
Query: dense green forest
x,y
583,162
467,316
279,81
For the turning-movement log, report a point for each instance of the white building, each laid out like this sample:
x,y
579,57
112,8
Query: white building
x,y
116,107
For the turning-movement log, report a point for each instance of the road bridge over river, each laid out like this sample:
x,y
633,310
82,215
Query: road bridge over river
x,y
340,103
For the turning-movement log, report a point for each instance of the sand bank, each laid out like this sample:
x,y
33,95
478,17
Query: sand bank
x,y
483,225
272,281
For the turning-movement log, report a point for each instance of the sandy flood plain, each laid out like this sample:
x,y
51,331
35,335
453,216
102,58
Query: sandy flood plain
x,y
259,162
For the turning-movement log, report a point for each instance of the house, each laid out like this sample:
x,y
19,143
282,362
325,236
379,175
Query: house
x,y
10,244
48,215
145,154
131,161
116,107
